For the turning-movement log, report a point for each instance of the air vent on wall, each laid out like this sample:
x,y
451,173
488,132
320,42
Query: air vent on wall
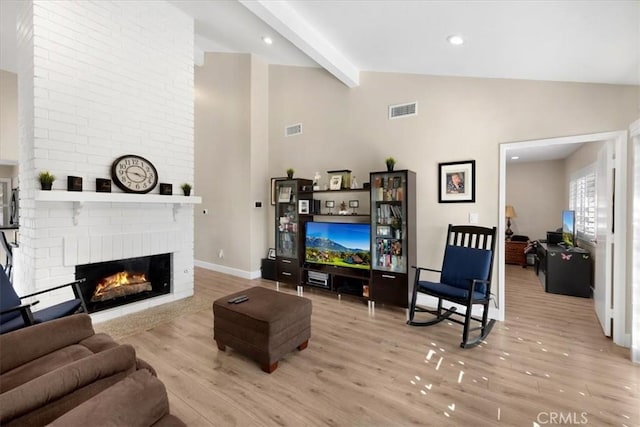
x,y
403,110
293,130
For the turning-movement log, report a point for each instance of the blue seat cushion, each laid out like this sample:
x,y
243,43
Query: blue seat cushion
x,y
8,298
447,291
461,265
54,312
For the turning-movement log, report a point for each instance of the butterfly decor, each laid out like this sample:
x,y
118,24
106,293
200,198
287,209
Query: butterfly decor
x,y
566,257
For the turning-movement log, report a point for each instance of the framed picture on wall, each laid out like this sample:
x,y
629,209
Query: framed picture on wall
x,y
457,182
273,189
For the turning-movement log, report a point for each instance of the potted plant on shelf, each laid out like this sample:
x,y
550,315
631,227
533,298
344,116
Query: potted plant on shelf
x,y
391,162
46,180
186,189
290,173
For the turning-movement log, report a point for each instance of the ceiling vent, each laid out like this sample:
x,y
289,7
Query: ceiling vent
x,y
293,130
403,110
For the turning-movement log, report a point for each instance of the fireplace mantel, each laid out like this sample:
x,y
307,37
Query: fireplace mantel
x,y
79,198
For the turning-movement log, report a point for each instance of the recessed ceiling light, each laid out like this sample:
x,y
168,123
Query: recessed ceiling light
x,y
515,157
455,40
267,40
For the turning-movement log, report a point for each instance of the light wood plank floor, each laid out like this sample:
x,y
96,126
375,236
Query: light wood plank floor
x,y
549,357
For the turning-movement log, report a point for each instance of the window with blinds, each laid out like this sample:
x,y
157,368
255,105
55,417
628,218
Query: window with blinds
x,y
583,200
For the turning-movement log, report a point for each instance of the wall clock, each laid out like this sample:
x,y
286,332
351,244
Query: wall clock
x,y
134,174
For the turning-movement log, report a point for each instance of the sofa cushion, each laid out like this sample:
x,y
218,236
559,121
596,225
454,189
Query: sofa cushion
x,y
54,385
27,344
45,364
140,399
98,342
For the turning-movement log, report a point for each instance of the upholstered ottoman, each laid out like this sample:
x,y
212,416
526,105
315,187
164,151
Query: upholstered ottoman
x,y
265,327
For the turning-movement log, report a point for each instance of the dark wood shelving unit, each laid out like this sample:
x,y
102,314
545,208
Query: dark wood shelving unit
x,y
392,216
343,190
343,216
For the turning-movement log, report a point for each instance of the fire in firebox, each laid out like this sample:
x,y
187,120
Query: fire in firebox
x,y
119,285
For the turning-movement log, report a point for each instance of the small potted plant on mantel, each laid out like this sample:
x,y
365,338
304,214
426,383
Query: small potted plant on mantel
x,y
46,180
186,189
290,173
391,162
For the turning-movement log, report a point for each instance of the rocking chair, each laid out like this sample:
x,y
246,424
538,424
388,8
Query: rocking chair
x,y
465,279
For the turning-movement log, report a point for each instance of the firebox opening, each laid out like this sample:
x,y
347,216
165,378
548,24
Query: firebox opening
x,y
119,285
114,283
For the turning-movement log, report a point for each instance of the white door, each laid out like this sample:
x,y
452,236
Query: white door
x,y
603,286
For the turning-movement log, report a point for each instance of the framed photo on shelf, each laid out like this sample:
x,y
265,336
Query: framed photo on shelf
x,y
273,189
354,203
272,253
457,182
284,196
330,204
336,181
303,207
383,230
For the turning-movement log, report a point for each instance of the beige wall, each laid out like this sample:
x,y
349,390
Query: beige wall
x,y
223,160
231,133
459,119
9,171
259,177
535,190
8,116
539,191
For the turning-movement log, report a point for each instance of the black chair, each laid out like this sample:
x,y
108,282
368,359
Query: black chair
x,y
465,279
16,315
8,250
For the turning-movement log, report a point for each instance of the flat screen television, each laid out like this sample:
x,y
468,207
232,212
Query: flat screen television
x,y
338,244
569,227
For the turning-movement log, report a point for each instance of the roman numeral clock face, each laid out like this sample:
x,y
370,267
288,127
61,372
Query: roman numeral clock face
x,y
134,174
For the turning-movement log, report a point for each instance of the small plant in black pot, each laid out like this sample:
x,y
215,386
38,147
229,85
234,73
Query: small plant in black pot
x,y
46,180
290,173
391,162
186,189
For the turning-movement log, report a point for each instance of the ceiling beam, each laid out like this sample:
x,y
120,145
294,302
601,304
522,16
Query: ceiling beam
x,y
286,21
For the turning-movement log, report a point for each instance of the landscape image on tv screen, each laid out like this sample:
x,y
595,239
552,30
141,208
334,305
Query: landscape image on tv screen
x,y
338,244
568,227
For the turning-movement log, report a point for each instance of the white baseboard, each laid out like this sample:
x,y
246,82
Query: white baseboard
x,y
228,270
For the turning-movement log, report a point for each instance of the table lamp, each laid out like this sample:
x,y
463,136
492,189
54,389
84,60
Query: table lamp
x,y
509,212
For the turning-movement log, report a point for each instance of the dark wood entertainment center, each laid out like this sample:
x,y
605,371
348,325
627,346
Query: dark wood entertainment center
x,y
392,218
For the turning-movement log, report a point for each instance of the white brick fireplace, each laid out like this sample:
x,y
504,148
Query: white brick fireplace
x,y
98,80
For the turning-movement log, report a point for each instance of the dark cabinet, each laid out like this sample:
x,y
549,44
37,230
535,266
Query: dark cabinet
x,y
290,227
393,230
565,271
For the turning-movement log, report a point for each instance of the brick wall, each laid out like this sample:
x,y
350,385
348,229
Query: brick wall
x,y
98,80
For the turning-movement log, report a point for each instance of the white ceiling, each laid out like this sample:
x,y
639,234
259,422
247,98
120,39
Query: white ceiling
x,y
570,40
579,41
